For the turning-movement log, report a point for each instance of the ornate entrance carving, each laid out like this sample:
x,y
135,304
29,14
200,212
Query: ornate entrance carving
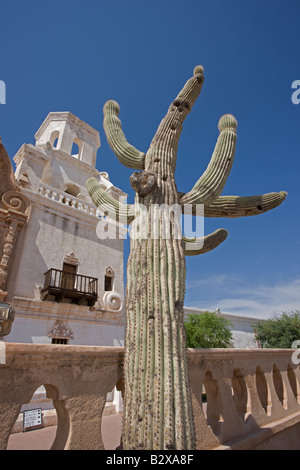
x,y
14,212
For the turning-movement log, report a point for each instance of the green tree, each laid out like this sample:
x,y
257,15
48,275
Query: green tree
x,y
207,330
280,331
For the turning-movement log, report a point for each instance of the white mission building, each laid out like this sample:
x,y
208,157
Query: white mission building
x,y
65,284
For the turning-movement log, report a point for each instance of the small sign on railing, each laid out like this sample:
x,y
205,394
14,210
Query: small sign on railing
x,y
32,419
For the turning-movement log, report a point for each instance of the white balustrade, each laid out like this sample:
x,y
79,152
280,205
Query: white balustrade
x,y
68,200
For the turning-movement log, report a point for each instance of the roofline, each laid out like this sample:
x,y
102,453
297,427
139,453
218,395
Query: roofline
x,y
234,316
69,117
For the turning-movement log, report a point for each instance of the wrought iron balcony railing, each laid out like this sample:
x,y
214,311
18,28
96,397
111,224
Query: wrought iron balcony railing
x,y
64,285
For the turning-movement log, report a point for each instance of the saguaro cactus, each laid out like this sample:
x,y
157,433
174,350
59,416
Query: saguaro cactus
x,y
157,402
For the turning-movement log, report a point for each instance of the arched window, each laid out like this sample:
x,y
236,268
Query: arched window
x,y
76,148
54,139
109,279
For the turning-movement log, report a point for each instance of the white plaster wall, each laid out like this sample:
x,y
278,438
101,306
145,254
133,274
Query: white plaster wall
x,y
43,244
67,169
242,339
34,330
52,126
48,238
34,165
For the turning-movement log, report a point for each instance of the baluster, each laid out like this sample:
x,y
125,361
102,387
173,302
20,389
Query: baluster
x,y
275,405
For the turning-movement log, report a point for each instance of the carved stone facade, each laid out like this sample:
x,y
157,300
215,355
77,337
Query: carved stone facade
x,y
71,259
14,213
61,330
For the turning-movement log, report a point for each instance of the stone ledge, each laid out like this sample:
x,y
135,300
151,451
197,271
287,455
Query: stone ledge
x,y
42,309
249,442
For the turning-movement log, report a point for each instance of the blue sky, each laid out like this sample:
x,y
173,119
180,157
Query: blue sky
x,y
72,55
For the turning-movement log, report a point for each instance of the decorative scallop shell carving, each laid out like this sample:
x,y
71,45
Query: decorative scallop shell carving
x,y
112,301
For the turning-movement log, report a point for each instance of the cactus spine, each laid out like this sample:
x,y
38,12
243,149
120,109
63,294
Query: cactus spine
x,y
157,402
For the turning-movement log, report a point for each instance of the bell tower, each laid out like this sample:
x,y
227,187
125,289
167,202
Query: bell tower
x,y
60,261
63,156
66,132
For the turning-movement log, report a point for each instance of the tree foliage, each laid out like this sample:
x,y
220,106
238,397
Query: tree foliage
x,y
280,331
207,330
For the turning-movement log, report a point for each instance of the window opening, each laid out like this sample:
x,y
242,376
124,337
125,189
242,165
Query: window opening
x,y
59,341
75,150
108,283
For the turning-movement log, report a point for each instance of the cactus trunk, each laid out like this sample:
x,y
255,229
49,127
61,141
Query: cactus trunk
x,y
157,405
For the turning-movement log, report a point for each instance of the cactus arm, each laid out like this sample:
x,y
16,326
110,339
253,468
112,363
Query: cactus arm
x,y
191,90
165,140
211,184
201,245
126,153
184,101
124,213
238,206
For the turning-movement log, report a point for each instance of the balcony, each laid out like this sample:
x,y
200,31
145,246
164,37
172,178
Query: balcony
x,y
76,288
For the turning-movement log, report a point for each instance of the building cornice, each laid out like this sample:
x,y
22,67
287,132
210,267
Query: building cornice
x,y
80,211
66,116
31,153
45,310
236,319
